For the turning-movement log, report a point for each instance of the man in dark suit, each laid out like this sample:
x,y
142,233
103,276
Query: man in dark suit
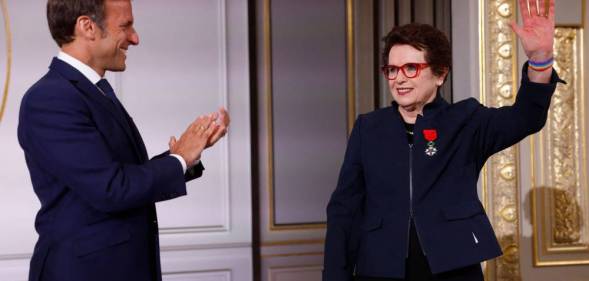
x,y
87,161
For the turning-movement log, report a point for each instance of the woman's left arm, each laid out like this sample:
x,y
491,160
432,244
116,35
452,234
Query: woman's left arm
x,y
502,127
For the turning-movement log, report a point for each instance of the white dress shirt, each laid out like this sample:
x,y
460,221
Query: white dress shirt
x,y
91,75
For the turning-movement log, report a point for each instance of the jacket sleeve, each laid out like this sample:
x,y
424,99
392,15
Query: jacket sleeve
x,y
342,210
500,128
193,172
58,134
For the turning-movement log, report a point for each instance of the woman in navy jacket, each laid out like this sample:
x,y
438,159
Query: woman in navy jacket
x,y
406,204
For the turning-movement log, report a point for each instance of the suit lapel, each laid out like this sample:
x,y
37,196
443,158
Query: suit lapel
x,y
139,141
91,91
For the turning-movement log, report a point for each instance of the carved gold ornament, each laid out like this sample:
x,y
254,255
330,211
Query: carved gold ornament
x,y
560,199
500,175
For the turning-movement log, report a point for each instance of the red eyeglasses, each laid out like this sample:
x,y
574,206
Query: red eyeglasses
x,y
410,70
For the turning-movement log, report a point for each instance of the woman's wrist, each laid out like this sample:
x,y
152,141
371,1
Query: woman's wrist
x,y
540,55
541,65
538,73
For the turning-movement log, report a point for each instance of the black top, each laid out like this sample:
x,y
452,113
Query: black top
x,y
409,131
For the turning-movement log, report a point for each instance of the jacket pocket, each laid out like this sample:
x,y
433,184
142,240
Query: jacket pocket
x,y
101,238
372,223
463,210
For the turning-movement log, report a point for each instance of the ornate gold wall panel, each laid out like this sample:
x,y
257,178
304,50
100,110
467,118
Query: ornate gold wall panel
x,y
560,200
8,38
500,175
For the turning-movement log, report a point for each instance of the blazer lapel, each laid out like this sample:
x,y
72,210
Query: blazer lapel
x,y
139,141
393,145
91,91
393,126
395,148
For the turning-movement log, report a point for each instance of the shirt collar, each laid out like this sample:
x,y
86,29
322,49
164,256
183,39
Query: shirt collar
x,y
83,68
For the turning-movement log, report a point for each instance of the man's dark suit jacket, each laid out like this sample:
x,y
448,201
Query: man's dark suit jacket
x,y
97,187
368,214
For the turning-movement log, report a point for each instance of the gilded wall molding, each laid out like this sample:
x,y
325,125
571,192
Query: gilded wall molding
x,y
8,38
560,195
500,175
562,142
351,73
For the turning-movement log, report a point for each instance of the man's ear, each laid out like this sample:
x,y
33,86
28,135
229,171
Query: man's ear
x,y
85,28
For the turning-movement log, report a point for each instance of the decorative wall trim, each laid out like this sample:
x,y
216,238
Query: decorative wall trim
x,y
8,38
225,274
351,71
232,264
293,254
274,272
12,257
187,264
560,194
223,99
351,106
483,83
293,242
214,246
500,174
194,229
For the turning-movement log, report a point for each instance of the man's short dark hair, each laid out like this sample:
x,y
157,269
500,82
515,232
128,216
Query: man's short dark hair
x,y
63,14
423,37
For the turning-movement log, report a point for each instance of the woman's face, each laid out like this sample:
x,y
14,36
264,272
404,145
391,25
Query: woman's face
x,y
412,93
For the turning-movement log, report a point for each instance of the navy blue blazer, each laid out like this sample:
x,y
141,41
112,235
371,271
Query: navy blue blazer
x,y
97,187
384,181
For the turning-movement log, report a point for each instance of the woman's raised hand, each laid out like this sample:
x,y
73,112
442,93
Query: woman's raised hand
x,y
537,32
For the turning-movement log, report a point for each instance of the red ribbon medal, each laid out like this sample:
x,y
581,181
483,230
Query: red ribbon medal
x,y
430,135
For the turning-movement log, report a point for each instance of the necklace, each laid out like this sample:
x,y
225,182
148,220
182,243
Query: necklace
x,y
409,132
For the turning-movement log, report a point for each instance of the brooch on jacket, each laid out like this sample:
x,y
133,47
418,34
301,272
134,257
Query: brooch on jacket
x,y
430,135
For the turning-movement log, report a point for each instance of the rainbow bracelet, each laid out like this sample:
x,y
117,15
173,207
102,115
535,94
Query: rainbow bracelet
x,y
541,65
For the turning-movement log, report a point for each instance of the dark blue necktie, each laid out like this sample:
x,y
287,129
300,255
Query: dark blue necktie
x,y
107,90
110,93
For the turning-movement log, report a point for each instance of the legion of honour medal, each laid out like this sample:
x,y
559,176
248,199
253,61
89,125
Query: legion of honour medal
x,y
430,135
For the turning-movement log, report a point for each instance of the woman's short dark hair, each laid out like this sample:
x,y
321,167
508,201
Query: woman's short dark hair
x,y
63,14
423,37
